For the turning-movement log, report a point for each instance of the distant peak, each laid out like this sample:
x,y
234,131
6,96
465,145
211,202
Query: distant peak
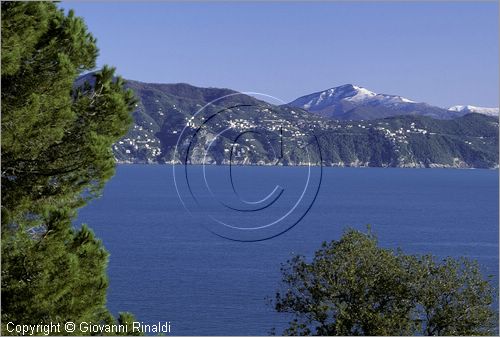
x,y
347,96
347,91
349,88
476,109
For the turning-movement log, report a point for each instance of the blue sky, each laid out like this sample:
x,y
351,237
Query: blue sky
x,y
441,53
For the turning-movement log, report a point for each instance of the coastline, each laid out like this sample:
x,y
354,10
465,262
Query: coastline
x,y
431,166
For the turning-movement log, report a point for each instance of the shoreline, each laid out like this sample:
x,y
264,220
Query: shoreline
x,y
436,166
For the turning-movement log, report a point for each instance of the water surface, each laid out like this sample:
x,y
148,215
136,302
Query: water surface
x,y
166,266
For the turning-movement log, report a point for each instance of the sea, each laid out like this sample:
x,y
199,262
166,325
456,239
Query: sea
x,y
201,246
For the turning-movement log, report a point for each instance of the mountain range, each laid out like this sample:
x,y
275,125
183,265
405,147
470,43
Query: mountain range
x,y
351,126
351,102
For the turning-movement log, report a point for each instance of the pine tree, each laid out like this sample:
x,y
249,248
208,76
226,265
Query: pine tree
x,y
56,155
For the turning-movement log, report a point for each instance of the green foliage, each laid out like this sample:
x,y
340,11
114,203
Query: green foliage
x,y
455,298
354,287
127,319
164,109
55,275
56,155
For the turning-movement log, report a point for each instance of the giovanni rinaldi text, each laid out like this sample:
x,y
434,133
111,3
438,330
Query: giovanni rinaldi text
x,y
86,328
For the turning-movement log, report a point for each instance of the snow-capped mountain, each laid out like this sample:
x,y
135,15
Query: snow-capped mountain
x,y
351,102
470,108
348,93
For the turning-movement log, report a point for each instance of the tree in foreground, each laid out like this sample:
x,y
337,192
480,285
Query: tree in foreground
x,y
56,155
354,287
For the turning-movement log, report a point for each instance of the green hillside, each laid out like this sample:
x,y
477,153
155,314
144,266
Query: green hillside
x,y
164,111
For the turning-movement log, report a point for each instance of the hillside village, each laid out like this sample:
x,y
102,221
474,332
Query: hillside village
x,y
150,141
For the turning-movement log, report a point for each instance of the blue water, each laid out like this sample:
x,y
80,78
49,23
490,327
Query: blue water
x,y
165,264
